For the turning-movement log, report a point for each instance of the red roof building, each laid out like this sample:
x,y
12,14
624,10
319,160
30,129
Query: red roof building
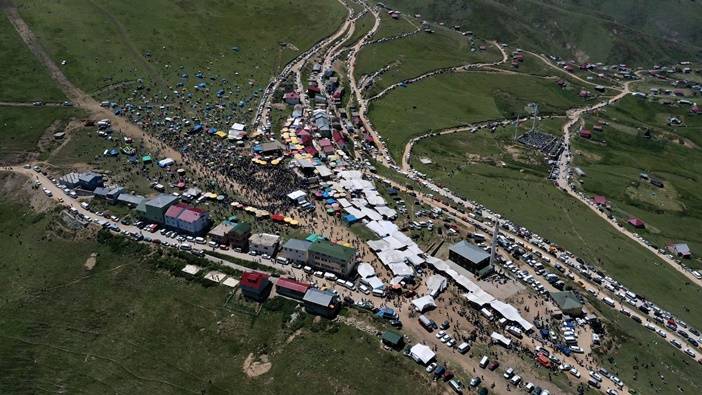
x,y
291,288
636,223
585,133
292,98
255,285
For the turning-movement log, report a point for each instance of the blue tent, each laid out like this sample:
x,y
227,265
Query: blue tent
x,y
196,128
330,201
113,152
350,219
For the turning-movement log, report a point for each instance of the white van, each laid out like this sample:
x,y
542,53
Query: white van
x,y
341,282
484,361
364,289
319,274
379,292
463,348
515,379
330,276
307,269
608,301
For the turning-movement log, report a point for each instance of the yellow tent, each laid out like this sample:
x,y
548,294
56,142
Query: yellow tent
x,y
294,222
221,134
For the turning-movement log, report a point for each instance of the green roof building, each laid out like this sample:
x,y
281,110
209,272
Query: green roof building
x,y
330,257
568,302
393,339
239,235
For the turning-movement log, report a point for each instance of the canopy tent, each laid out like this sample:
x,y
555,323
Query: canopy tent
x,y
436,284
424,303
422,353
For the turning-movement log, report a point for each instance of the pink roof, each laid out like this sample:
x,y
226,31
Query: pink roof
x,y
175,210
191,215
599,199
311,150
324,142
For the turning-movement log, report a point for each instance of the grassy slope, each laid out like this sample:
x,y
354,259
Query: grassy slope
x,y
641,357
455,99
363,26
22,77
22,127
673,213
126,327
525,196
196,35
390,27
630,31
419,54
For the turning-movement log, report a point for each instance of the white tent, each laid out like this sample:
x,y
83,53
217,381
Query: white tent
x,y
296,195
166,162
378,245
401,269
373,282
435,284
501,339
424,303
365,270
422,354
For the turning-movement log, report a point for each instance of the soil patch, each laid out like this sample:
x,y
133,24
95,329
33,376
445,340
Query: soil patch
x,y
90,262
254,367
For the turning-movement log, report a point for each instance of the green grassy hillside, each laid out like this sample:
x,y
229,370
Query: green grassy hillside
x,y
633,31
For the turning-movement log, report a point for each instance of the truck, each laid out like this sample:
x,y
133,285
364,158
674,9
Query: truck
x,y
426,323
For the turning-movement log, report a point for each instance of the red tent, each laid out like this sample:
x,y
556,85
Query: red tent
x,y
278,217
585,133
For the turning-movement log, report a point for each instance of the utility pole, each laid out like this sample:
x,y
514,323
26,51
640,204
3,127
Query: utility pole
x,y
493,246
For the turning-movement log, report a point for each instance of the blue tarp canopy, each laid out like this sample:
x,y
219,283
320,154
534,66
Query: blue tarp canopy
x,y
113,152
350,219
